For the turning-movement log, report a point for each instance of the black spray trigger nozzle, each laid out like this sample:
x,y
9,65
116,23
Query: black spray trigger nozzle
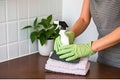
x,y
63,24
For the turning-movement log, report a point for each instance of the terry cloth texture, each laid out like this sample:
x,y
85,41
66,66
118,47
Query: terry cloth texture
x,y
81,65
80,68
54,68
106,15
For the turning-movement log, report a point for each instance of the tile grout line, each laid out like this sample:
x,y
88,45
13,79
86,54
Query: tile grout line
x,y
28,2
7,46
12,21
18,25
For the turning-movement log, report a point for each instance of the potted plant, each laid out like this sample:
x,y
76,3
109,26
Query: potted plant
x,y
45,32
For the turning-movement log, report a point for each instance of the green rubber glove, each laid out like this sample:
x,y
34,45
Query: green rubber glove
x,y
74,51
58,43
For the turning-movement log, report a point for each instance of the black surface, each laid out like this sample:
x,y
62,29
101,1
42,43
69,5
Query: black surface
x,y
56,57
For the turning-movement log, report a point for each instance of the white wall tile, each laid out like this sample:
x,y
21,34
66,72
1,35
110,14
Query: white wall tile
x,y
23,9
3,53
33,47
30,23
24,48
12,9
57,17
23,33
12,32
13,50
43,7
48,7
33,8
58,6
53,6
2,33
2,10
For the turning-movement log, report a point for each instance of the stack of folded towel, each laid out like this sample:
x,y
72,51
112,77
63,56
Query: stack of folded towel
x,y
80,67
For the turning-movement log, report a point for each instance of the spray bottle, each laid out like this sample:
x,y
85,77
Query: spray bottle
x,y
64,40
63,26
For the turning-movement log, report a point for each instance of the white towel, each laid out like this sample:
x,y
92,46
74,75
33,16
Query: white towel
x,y
81,65
75,71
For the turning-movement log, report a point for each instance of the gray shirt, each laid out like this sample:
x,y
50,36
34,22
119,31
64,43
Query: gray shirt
x,y
106,15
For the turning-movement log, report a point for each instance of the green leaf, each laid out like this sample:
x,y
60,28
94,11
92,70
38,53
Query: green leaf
x,y
55,25
33,36
49,33
44,23
49,19
26,27
42,36
57,31
35,22
42,39
41,32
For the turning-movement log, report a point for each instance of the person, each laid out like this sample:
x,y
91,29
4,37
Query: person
x,y
106,16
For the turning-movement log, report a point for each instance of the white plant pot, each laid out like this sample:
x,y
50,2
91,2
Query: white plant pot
x,y
46,48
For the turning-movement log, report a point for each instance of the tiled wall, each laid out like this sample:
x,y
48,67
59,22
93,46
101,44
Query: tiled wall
x,y
14,15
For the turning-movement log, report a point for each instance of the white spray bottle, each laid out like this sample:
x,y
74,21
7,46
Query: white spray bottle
x,y
64,41
63,26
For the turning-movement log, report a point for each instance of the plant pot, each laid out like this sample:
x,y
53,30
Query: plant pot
x,y
46,48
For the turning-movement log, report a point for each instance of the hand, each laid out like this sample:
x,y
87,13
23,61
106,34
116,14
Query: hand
x,y
74,51
58,43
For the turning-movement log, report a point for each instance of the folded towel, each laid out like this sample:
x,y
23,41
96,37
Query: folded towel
x,y
75,71
81,65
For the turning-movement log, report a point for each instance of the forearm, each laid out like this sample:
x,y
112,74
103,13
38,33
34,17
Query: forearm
x,y
109,40
79,27
84,19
